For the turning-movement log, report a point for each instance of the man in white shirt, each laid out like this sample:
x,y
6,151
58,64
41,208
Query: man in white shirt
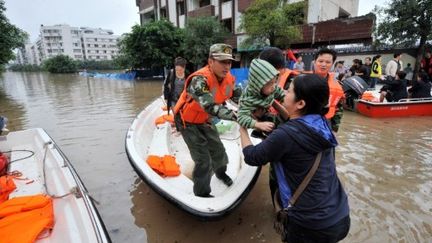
x,y
394,65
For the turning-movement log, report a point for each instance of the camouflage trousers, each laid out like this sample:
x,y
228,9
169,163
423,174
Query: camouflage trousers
x,y
208,153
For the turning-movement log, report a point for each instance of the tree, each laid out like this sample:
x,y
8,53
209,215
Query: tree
x,y
155,44
11,37
200,34
60,64
273,22
405,22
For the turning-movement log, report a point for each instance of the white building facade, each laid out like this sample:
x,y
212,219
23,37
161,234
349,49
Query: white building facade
x,y
229,11
99,44
78,43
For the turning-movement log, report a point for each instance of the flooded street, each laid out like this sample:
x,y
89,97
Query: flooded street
x,y
384,164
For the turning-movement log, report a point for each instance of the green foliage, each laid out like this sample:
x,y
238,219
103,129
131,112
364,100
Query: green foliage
x,y
11,37
272,21
98,65
155,44
60,64
25,68
200,34
405,23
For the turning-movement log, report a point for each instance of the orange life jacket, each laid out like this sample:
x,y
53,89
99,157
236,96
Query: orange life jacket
x,y
164,166
336,94
190,110
7,185
282,81
23,204
25,227
284,77
164,118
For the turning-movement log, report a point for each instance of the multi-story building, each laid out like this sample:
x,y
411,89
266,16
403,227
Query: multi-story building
x,y
28,54
99,44
60,39
229,12
78,43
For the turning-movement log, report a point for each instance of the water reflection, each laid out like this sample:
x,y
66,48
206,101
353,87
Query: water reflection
x,y
385,165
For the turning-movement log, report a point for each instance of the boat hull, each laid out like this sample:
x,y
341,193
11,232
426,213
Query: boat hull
x,y
76,217
395,109
178,190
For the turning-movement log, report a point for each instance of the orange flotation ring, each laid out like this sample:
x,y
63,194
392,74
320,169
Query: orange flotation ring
x,y
164,166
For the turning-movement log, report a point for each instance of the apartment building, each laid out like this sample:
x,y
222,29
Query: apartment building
x,y
229,12
60,39
98,44
82,43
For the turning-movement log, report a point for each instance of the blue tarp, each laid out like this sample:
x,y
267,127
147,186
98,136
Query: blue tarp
x,y
126,76
241,75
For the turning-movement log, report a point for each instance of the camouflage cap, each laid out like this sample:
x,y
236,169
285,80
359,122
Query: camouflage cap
x,y
221,52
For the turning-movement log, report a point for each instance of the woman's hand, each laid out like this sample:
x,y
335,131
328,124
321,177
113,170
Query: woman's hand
x,y
264,126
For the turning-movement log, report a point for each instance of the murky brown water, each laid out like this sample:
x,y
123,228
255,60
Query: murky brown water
x,y
385,165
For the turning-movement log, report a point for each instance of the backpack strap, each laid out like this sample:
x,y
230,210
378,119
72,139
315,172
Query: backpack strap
x,y
306,180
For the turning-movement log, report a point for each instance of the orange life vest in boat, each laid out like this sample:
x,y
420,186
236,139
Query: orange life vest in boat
x,y
190,110
23,204
336,94
164,118
368,96
25,227
7,185
164,166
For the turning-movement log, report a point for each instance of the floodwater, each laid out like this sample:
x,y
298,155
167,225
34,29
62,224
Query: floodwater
x,y
384,164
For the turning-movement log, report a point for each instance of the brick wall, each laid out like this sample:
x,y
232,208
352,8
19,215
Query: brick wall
x,y
208,10
339,31
243,5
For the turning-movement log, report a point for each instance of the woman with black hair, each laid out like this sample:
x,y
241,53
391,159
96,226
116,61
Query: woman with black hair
x,y
320,212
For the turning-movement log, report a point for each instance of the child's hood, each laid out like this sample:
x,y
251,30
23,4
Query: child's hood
x,y
260,73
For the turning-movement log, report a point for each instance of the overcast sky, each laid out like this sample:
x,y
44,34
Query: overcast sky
x,y
116,15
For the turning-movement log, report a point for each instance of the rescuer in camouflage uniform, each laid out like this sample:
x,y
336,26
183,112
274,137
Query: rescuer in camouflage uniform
x,y
202,138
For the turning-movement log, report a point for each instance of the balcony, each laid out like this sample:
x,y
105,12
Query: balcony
x,y
205,11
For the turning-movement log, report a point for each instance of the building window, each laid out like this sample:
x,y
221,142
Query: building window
x,y
203,3
228,24
181,8
97,57
163,13
88,45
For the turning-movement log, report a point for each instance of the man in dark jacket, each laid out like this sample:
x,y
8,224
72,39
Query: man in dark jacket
x,y
174,82
394,88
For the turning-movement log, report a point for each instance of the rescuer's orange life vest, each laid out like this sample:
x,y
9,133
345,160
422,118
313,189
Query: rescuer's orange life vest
x,y
190,110
336,94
